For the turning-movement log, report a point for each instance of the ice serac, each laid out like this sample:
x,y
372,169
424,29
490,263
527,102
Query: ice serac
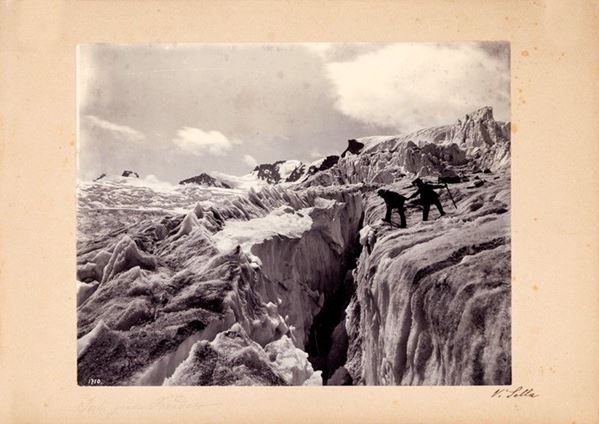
x,y
483,139
474,142
168,293
233,358
125,256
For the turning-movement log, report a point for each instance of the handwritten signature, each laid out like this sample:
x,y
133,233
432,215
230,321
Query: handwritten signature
x,y
518,392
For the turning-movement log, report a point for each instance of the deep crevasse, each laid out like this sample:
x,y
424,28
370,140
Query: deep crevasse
x,y
154,308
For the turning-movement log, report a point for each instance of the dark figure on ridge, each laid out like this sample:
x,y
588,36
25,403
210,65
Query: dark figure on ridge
x,y
428,197
393,200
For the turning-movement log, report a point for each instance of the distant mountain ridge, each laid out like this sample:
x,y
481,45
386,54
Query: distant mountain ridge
x,y
475,141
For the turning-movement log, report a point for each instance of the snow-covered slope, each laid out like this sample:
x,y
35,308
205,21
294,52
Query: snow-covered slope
x,y
244,182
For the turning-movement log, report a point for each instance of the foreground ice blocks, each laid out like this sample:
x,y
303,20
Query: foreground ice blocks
x,y
179,298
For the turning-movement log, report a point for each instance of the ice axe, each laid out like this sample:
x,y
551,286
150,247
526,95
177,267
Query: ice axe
x,y
450,196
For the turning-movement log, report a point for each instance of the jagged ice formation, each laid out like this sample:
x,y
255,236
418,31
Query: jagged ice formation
x,y
301,283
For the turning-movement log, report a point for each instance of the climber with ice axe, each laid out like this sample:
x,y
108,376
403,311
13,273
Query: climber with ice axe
x,y
429,197
450,196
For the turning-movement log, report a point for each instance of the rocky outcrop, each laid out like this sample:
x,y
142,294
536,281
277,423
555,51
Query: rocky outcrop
x,y
296,174
280,171
205,180
268,172
292,171
322,165
132,174
353,147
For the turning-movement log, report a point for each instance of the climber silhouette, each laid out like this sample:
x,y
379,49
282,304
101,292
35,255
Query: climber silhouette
x,y
393,200
428,197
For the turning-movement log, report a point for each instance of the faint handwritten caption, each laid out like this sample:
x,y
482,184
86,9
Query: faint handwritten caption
x,y
101,407
518,392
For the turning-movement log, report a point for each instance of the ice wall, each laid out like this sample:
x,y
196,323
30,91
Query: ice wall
x,y
432,304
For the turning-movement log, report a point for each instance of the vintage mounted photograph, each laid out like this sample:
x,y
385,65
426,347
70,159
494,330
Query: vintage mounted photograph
x,y
294,214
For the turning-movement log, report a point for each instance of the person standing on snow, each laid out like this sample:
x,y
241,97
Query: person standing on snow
x,y
393,200
428,197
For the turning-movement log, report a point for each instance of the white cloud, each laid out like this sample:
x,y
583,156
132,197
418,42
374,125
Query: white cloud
x,y
199,142
120,132
250,161
410,86
315,153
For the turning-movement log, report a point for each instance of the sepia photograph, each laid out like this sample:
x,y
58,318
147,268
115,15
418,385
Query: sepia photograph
x,y
294,214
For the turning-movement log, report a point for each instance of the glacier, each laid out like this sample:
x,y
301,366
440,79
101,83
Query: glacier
x,y
300,282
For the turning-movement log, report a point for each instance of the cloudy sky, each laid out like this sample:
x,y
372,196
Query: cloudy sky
x,y
174,111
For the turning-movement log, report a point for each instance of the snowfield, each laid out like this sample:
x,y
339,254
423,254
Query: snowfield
x,y
283,221
111,202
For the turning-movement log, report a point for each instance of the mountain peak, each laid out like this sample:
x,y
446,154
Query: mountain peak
x,y
127,173
205,180
482,114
